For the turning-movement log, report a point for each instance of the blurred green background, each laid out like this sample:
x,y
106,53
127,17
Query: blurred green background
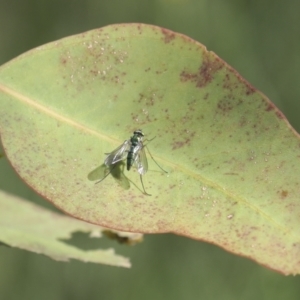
x,y
260,39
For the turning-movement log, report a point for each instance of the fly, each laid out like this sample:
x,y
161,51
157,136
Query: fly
x,y
133,150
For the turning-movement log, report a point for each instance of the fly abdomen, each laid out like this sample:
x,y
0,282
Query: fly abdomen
x,y
134,140
130,157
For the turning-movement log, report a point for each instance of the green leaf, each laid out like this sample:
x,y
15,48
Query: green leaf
x,y
231,156
27,226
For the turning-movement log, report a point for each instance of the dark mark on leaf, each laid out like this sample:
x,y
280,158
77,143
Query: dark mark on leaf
x,y
283,194
168,35
209,67
270,107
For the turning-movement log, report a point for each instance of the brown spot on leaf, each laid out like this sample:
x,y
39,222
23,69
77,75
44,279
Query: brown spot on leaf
x,y
283,194
270,107
209,67
63,60
250,89
179,144
279,114
224,105
168,35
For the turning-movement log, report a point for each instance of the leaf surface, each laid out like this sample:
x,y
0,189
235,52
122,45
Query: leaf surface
x,y
232,158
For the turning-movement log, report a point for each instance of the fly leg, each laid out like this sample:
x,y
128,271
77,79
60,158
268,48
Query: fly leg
x,y
153,158
110,170
143,186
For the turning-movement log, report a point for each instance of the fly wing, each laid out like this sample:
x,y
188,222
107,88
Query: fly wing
x,y
98,173
140,160
118,154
